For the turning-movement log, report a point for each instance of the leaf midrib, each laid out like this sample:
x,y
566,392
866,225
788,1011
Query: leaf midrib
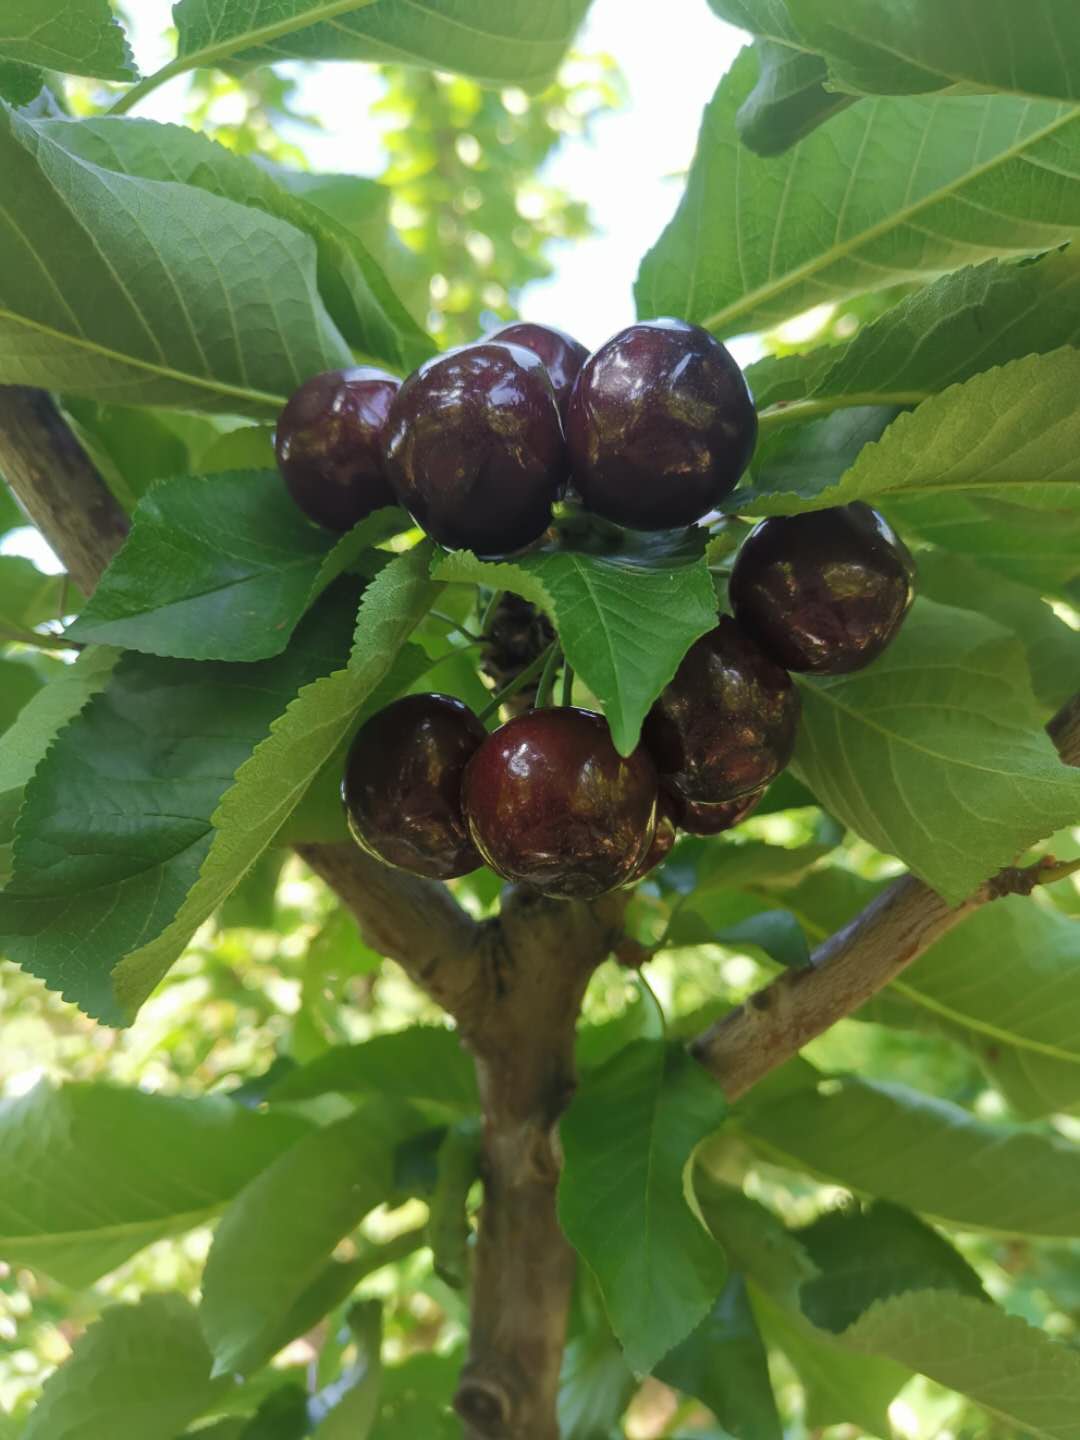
x,y
765,293
98,1234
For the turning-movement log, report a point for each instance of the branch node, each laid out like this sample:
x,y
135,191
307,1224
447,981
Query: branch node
x,y
484,1404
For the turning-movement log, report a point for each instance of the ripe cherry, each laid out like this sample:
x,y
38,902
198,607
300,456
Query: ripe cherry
x,y
402,785
329,445
664,836
551,803
660,426
714,819
474,448
563,356
826,591
727,723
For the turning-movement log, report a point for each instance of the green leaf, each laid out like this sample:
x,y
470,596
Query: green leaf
x,y
1038,548
105,289
25,744
279,1232
142,769
1011,973
926,1154
595,1386
839,1387
425,1062
347,1408
1009,434
148,1166
517,42
756,1242
943,333
936,752
19,683
901,190
80,37
359,297
739,922
27,596
416,1399
625,618
1008,1367
19,84
789,100
628,1139
221,567
879,47
872,1254
1052,646
142,1370
318,722
724,1365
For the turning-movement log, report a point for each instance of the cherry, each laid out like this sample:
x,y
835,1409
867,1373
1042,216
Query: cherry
x,y
563,356
826,591
714,819
660,426
664,836
474,448
402,785
727,723
551,803
329,445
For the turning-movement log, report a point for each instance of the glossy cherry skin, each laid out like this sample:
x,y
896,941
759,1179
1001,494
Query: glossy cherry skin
x,y
823,592
329,445
563,356
552,804
660,426
402,785
727,723
474,448
664,836
715,819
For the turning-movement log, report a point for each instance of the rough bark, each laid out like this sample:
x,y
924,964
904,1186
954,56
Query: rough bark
x,y
57,484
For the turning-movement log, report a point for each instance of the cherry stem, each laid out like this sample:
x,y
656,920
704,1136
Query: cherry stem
x,y
519,682
489,611
456,625
546,687
568,685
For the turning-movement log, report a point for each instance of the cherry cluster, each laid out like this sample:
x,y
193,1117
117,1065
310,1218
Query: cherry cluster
x,y
652,431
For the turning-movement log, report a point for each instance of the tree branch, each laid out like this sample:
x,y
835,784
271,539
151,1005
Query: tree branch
x,y
57,485
851,966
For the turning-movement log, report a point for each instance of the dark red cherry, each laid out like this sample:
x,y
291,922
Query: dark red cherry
x,y
474,448
660,426
551,803
402,785
826,591
329,445
714,819
664,837
563,356
727,723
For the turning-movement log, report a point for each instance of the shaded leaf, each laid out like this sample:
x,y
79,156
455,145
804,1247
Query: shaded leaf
x,y
926,1154
143,769
148,1166
279,1232
140,1370
724,1365
936,752
789,100
517,43
219,568
628,1138
424,1062
80,37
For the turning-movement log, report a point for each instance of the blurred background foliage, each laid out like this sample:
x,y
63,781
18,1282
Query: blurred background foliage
x,y
463,220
